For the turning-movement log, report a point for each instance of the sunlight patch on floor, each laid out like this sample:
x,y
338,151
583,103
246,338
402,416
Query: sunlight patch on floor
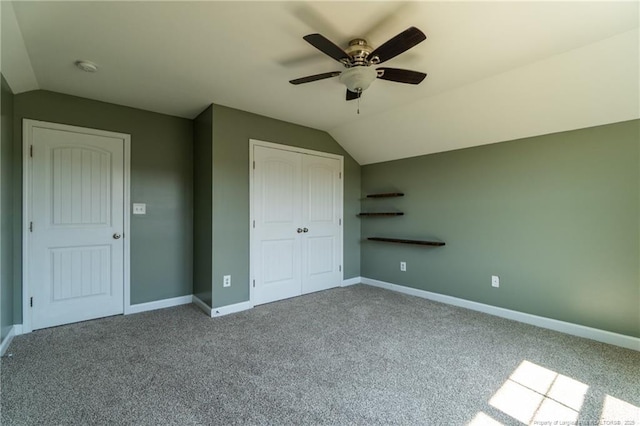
x,y
615,409
517,401
539,396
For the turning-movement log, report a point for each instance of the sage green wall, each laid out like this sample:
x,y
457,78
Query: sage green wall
x,y
6,203
556,217
203,205
161,176
232,130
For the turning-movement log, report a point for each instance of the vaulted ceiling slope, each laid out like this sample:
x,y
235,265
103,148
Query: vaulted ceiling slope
x,y
496,70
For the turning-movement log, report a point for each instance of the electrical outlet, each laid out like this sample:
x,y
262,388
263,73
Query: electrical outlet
x,y
403,266
226,281
495,281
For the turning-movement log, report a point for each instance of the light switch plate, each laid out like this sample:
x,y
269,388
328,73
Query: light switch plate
x,y
139,208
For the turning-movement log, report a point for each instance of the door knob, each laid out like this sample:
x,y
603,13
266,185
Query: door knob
x,y
305,230
299,230
116,236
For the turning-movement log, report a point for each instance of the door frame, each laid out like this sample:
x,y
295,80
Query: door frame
x,y
252,243
27,137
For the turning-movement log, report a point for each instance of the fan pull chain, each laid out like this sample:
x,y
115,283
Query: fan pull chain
x,y
359,103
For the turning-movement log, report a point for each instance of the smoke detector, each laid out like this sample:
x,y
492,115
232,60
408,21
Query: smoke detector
x,y
86,66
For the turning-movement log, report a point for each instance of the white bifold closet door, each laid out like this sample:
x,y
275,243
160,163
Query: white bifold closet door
x,y
297,210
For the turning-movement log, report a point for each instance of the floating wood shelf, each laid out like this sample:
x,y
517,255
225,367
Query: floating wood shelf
x,y
386,195
382,214
402,241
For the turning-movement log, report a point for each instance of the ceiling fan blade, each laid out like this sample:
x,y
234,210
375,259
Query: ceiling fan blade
x,y
399,44
313,18
388,18
326,46
401,76
352,95
310,78
299,60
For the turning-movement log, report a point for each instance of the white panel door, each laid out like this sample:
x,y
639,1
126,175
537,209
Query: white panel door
x,y
76,250
276,200
296,235
321,213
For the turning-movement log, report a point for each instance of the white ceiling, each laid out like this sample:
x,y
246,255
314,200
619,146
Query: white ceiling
x,y
496,70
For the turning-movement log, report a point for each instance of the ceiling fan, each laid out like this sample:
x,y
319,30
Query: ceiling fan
x,y
360,60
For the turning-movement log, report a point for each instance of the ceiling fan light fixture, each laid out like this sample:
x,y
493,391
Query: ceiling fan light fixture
x,y
358,79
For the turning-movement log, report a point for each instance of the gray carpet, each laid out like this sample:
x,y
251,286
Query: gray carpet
x,y
358,355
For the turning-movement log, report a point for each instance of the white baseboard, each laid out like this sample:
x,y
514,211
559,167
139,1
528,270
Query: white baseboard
x,y
200,304
351,281
551,324
15,330
158,304
231,309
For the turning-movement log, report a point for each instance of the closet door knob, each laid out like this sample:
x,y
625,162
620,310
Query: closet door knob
x,y
305,230
299,230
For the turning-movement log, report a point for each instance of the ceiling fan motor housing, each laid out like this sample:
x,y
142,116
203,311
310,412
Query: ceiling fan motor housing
x,y
358,51
358,78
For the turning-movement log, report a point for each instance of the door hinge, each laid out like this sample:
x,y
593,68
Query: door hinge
x,y
254,283
340,268
254,223
30,226
254,165
340,175
31,151
31,302
339,222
